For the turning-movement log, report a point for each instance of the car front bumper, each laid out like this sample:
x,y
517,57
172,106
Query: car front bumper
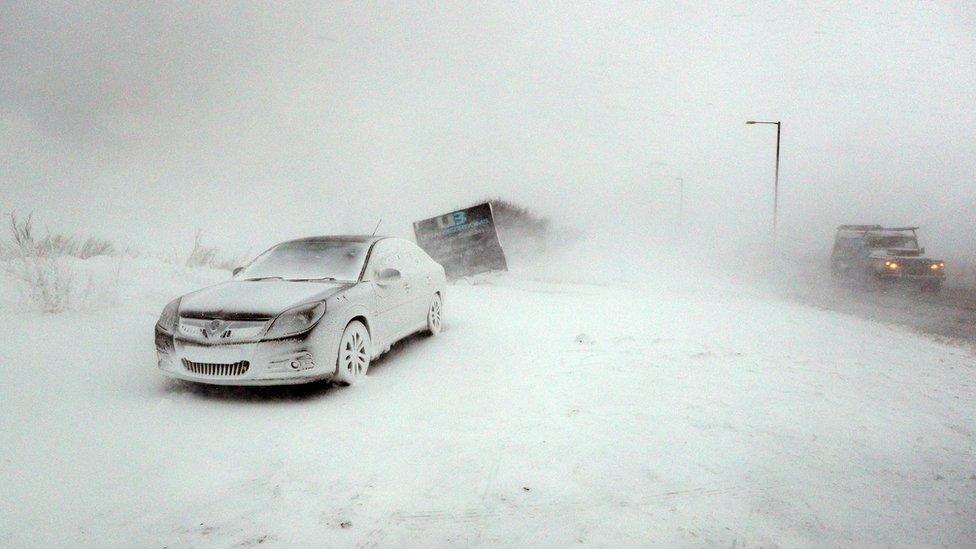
x,y
907,277
273,362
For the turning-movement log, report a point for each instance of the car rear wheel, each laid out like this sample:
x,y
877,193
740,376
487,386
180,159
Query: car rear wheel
x,y
354,354
434,315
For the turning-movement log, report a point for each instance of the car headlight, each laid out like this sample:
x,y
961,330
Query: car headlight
x,y
167,320
296,320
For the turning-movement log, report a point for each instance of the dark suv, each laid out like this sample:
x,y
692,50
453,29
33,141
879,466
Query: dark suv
x,y
873,252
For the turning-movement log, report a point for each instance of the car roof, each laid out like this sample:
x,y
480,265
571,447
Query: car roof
x,y
858,231
890,232
353,238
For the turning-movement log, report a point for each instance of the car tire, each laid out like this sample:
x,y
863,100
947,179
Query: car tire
x,y
434,318
352,360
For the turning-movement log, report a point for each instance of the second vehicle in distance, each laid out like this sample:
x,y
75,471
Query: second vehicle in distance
x,y
876,253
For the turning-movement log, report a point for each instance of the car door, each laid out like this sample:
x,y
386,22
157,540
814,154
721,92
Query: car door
x,y
423,286
410,269
393,298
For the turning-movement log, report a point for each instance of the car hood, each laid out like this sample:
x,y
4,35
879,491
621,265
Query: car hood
x,y
907,258
254,298
890,253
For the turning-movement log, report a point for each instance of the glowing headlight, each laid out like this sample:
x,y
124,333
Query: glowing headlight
x,y
296,320
935,266
891,264
167,320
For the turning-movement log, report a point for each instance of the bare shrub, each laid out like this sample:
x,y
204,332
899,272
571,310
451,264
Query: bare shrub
x,y
63,245
200,255
27,241
93,247
527,236
209,256
513,218
22,232
40,264
46,281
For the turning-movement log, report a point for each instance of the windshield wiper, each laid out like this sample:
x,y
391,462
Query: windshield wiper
x,y
263,278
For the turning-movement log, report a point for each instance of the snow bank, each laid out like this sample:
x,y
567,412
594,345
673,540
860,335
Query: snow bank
x,y
102,282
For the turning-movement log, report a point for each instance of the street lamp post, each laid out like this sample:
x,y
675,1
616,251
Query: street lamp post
x,y
776,180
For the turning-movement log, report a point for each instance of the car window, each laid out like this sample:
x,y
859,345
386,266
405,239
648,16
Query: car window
x,y
418,256
412,256
385,254
848,245
308,259
896,241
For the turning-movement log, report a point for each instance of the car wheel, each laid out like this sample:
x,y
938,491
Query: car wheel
x,y
354,354
434,315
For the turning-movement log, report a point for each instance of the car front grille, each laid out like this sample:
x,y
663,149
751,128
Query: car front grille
x,y
918,268
214,331
216,369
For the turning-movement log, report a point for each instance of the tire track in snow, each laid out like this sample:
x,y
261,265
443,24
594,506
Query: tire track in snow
x,y
508,509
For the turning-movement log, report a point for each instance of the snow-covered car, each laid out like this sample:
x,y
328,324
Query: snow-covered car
x,y
305,310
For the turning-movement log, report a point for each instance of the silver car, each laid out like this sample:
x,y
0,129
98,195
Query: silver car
x,y
305,310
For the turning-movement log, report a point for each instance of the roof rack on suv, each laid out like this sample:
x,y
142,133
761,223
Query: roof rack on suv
x,y
873,228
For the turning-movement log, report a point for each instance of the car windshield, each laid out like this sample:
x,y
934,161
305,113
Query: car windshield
x,y
894,241
309,260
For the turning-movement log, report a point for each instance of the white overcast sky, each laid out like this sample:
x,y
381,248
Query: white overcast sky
x,y
259,122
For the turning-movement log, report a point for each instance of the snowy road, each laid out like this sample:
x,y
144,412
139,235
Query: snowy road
x,y
950,313
545,414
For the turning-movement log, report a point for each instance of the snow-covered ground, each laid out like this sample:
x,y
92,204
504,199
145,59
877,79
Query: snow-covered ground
x,y
671,411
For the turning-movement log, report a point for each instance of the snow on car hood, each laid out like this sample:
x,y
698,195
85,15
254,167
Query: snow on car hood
x,y
254,298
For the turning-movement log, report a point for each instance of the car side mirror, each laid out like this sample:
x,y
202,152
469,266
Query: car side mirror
x,y
237,270
387,276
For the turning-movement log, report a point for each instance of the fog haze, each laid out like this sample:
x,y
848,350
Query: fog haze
x,y
259,122
641,374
